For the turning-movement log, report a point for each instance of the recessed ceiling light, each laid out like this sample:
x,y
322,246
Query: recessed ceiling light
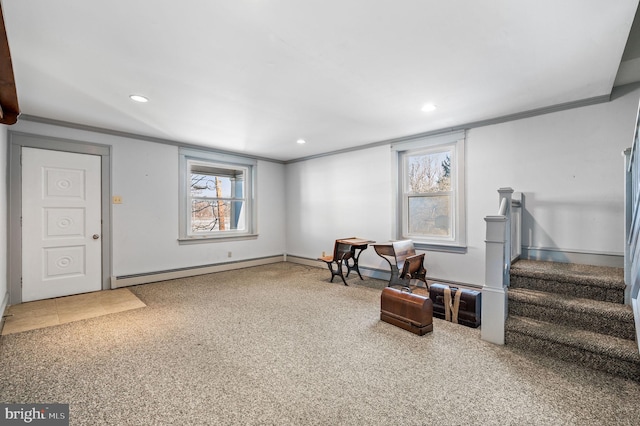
x,y
428,107
301,141
138,98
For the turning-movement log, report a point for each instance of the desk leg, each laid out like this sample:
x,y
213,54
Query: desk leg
x,y
356,251
339,272
394,279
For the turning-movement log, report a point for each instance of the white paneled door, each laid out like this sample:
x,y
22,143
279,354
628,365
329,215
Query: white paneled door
x,y
61,224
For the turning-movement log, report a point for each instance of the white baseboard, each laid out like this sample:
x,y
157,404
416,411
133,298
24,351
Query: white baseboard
x,y
305,261
129,280
377,273
573,256
150,277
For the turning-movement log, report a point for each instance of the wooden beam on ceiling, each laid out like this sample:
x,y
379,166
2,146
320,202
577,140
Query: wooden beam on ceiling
x,y
9,108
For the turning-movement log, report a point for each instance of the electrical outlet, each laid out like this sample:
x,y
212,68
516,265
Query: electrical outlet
x,y
323,255
229,254
117,199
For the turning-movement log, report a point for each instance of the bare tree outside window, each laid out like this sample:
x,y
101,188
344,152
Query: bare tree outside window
x,y
216,201
217,196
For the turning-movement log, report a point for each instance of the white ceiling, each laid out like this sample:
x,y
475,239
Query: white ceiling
x,y
253,76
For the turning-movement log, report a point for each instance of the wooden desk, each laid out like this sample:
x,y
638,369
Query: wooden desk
x,y
386,251
358,245
343,250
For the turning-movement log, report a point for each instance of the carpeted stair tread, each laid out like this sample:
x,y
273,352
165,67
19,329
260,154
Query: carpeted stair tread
x,y
602,317
575,313
597,276
575,304
596,343
584,281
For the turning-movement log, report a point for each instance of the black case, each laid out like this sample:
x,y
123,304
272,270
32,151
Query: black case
x,y
469,311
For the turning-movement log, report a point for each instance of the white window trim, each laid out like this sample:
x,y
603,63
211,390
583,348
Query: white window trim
x,y
456,140
187,155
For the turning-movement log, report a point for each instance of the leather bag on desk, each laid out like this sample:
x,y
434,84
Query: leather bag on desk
x,y
406,310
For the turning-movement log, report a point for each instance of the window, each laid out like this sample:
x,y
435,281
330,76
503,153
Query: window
x,y
431,192
216,194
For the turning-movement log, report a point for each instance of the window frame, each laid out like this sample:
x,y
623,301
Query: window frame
x,y
455,143
189,157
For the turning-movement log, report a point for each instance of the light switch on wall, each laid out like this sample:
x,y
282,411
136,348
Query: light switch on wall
x,y
117,199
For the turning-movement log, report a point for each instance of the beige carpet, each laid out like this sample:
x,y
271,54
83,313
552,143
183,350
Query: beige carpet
x,y
280,345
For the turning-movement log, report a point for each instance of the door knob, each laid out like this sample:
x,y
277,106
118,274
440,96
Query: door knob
x,y
96,236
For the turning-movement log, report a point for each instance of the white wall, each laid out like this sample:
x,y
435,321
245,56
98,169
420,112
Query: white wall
x,y
145,225
571,172
146,176
4,289
339,196
568,164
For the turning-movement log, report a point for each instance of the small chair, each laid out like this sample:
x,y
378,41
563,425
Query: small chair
x,y
410,264
405,264
413,269
341,253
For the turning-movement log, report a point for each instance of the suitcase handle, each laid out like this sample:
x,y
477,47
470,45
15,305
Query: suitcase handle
x,y
406,289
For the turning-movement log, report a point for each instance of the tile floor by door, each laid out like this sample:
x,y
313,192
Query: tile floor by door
x,y
50,312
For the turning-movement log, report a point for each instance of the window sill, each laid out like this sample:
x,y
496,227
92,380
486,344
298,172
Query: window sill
x,y
209,239
440,247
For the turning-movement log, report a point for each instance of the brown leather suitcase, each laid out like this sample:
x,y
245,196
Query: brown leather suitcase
x,y
408,311
468,302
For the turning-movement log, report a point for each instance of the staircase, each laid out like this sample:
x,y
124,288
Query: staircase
x,y
575,313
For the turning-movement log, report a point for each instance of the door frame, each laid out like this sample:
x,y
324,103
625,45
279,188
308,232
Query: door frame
x,y
18,140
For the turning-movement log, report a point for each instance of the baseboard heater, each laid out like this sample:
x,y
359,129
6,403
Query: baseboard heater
x,y
171,274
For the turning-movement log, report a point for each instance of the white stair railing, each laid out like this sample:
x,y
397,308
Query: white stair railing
x,y
503,245
632,229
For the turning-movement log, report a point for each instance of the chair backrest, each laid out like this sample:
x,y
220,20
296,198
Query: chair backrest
x,y
403,249
413,266
341,251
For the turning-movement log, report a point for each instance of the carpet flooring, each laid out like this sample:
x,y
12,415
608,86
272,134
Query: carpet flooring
x,y
280,345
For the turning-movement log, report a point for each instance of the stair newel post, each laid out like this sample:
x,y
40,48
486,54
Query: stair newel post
x,y
494,294
498,264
